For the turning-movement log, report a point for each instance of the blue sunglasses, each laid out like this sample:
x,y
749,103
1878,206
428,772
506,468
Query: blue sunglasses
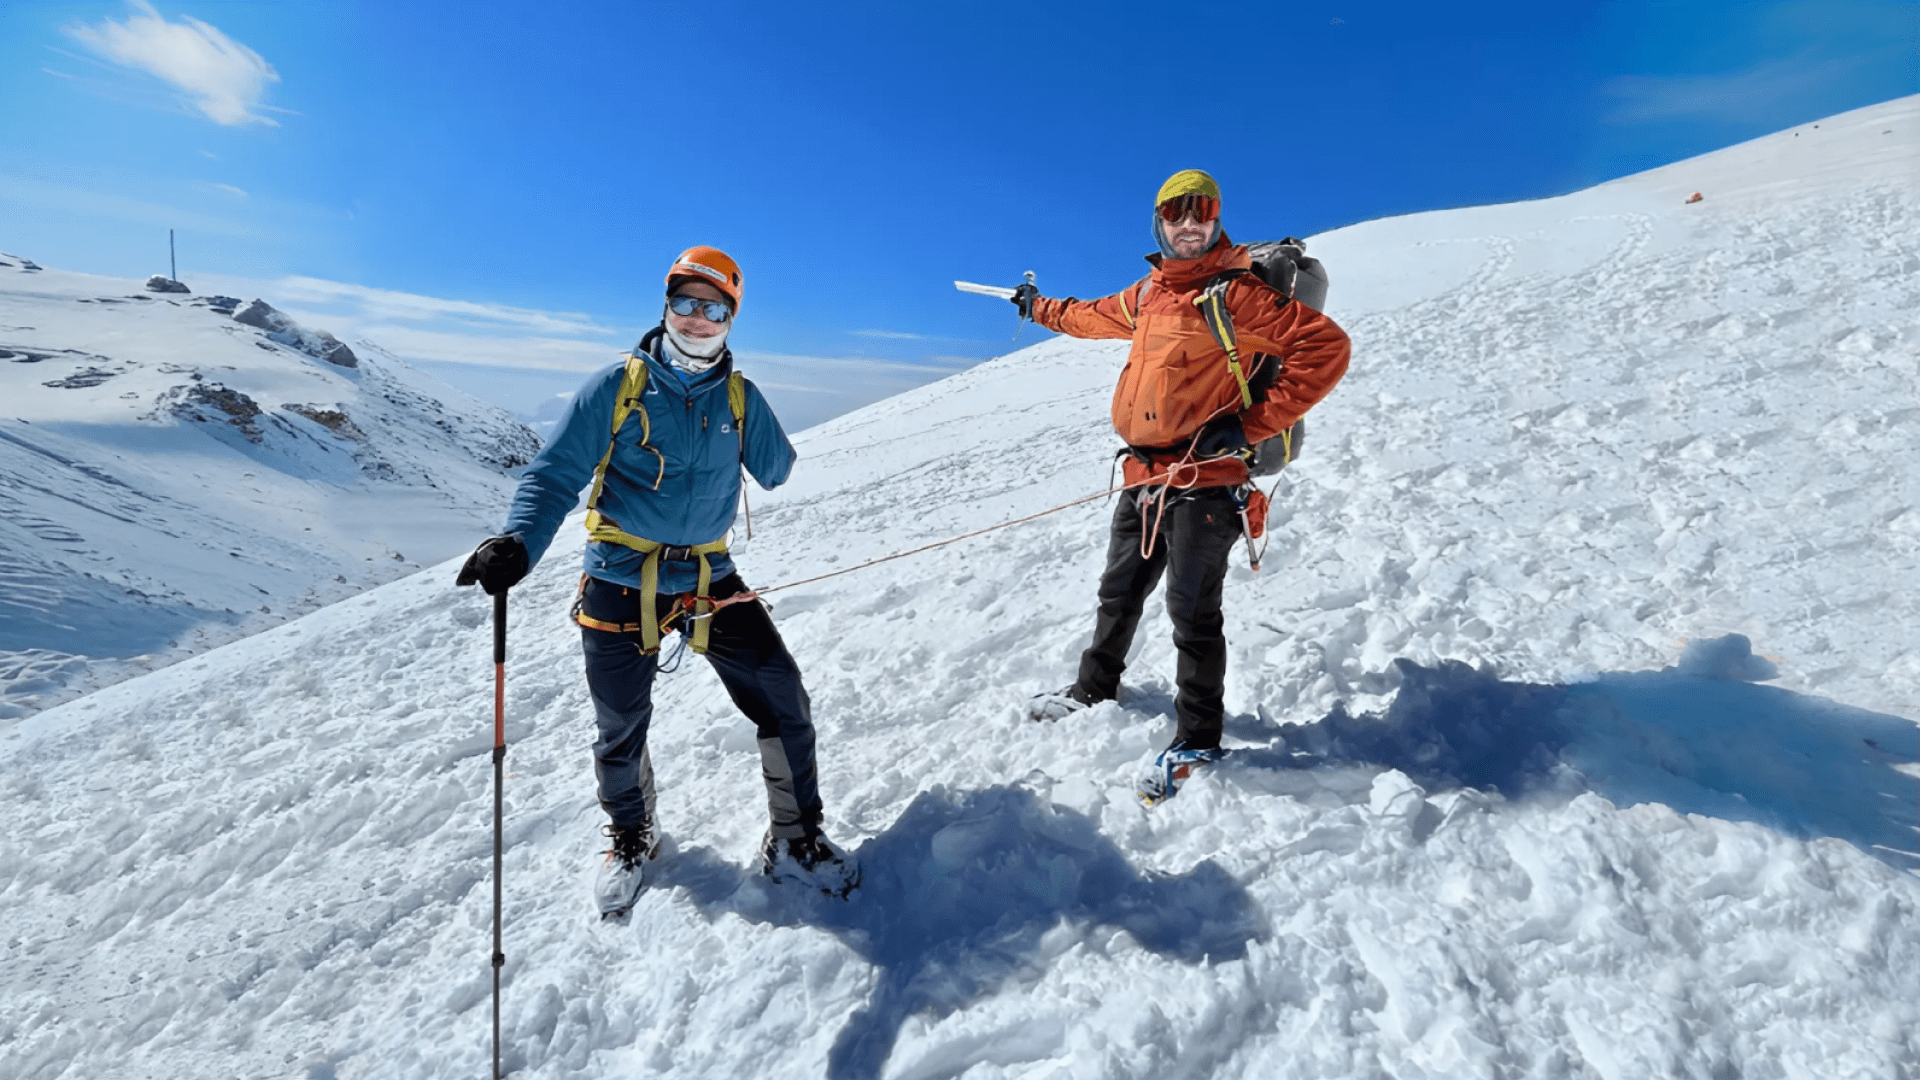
x,y
710,310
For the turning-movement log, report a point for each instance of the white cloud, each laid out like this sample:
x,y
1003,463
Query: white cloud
x,y
388,305
808,390
231,190
225,79
480,350
60,198
903,335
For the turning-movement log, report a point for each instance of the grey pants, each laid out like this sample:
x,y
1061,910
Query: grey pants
x,y
758,673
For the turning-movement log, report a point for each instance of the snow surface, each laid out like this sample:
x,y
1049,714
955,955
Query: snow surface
x,y
1507,801
171,479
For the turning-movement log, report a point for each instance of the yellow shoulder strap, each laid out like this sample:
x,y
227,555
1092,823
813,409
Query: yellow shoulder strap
x,y
737,401
1212,303
633,384
1132,321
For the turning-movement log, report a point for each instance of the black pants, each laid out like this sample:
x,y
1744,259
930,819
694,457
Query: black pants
x,y
1197,533
755,667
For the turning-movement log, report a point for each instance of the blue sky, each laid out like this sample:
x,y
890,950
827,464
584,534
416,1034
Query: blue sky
x,y
494,189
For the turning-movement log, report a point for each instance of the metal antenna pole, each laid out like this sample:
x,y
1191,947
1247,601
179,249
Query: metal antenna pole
x,y
173,265
499,780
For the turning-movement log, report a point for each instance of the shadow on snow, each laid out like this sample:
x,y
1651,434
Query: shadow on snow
x,y
1699,738
961,896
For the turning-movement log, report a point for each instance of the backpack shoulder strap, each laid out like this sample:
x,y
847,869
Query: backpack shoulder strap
x,y
1142,285
1212,303
737,402
633,385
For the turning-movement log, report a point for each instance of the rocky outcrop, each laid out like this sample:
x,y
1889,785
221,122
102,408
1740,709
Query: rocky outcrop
x,y
84,379
334,420
315,343
263,316
204,402
165,284
222,304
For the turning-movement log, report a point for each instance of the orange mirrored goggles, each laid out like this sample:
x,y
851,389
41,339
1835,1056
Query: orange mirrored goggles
x,y
1201,207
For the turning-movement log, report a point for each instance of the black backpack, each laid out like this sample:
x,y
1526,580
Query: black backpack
x,y
1285,265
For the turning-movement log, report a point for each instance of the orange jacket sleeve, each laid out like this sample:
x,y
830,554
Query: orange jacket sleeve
x,y
1311,347
1100,318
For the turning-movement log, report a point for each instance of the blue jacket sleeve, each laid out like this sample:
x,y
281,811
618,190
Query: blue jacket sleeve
x,y
769,456
550,488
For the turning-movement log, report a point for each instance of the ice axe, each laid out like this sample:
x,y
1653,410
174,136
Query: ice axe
x,y
1023,295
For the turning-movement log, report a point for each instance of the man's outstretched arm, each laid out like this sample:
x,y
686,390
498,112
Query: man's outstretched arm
x,y
1102,318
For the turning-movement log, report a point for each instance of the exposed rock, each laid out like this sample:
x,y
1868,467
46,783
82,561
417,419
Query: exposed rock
x,y
82,379
21,354
201,402
263,316
334,420
315,343
335,352
222,304
162,283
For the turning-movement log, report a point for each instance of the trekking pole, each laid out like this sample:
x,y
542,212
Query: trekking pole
x,y
499,779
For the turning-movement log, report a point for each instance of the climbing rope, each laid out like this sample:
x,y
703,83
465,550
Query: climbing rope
x,y
1182,475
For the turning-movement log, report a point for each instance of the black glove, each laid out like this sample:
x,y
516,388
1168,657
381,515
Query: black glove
x,y
1222,436
1023,298
497,564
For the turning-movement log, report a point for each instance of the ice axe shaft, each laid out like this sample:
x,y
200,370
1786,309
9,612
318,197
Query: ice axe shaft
x,y
1001,292
984,290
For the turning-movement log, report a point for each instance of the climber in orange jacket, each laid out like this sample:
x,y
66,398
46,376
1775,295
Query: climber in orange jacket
x,y
1189,419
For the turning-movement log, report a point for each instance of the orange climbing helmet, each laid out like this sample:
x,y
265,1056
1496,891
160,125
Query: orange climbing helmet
x,y
711,265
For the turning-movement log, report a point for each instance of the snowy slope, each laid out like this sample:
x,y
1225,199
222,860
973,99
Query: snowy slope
x,y
1489,818
172,478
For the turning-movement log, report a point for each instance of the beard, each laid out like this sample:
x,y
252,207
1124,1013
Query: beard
x,y
1166,245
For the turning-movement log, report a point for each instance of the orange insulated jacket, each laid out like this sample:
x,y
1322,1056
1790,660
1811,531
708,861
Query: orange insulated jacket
x,y
1177,378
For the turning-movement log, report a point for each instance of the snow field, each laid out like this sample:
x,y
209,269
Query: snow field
x,y
171,479
1487,815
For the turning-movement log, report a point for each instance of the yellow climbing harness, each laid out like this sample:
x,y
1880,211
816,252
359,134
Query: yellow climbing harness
x,y
700,607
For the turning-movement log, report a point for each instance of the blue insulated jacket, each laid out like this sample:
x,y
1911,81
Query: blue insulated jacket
x,y
692,428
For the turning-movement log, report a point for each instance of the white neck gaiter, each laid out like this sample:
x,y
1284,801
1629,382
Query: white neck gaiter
x,y
692,355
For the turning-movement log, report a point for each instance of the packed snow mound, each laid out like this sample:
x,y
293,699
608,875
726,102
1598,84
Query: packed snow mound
x,y
1488,813
179,472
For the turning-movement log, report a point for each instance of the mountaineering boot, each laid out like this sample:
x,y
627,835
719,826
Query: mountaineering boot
x,y
809,860
623,873
1162,780
1059,704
